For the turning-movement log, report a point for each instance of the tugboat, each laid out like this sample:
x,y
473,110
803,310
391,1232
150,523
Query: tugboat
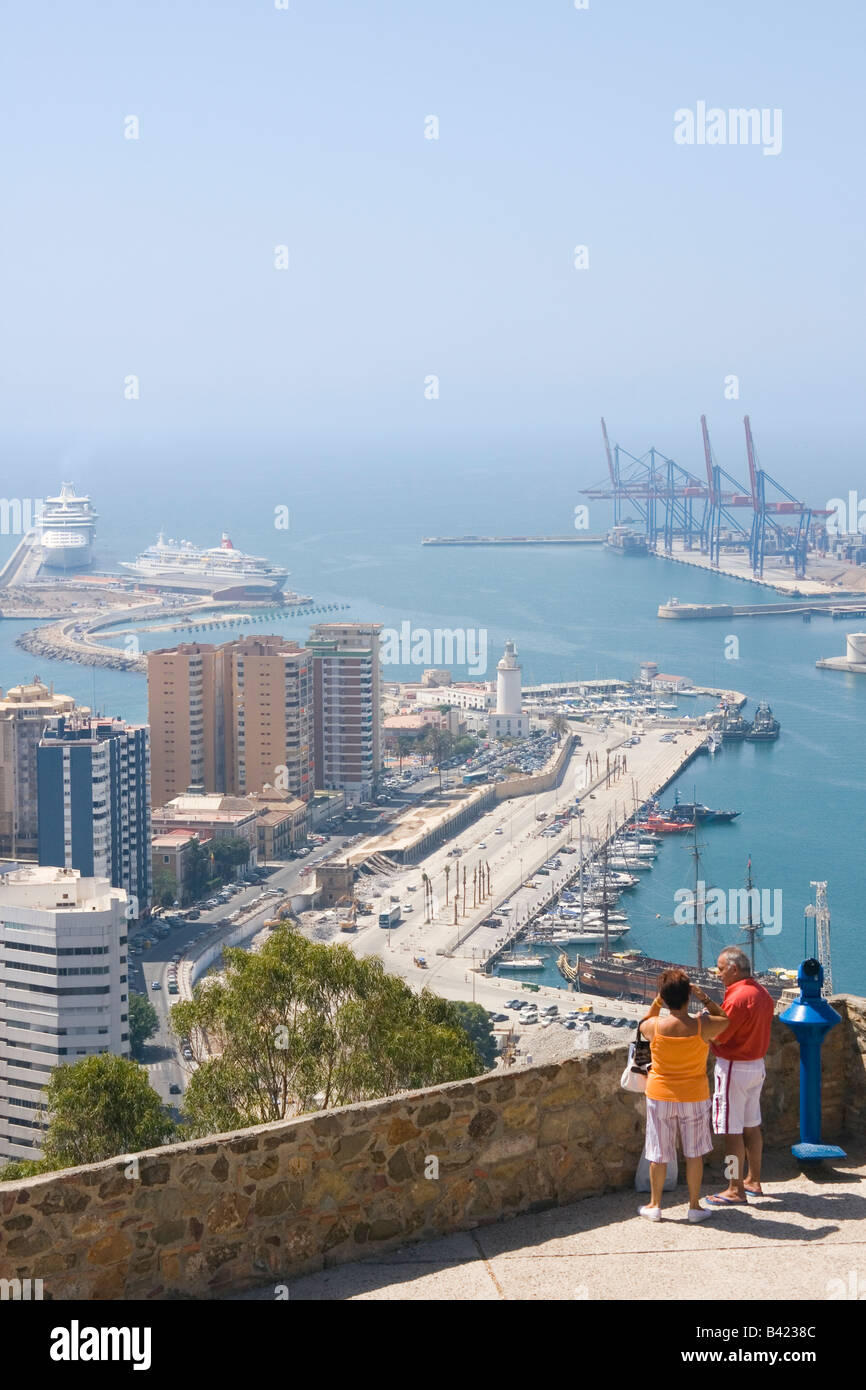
x,y
734,727
765,727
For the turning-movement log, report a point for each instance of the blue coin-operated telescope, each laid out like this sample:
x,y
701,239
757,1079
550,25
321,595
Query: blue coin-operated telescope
x,y
810,1019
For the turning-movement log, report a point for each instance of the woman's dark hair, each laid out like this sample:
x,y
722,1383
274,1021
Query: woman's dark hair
x,y
674,988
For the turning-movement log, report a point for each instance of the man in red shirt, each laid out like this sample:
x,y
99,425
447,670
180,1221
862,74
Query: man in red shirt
x,y
740,1051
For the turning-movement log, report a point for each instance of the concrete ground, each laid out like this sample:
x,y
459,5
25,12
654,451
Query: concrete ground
x,y
805,1239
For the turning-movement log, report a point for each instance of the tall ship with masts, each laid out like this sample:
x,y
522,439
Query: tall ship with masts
x,y
632,975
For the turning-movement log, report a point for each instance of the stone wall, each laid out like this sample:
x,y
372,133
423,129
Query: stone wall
x,y
200,1220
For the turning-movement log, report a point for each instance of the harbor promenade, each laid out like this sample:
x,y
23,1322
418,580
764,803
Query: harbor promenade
x,y
803,1241
455,953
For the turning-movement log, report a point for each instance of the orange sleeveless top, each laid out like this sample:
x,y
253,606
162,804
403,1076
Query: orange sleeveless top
x,y
679,1068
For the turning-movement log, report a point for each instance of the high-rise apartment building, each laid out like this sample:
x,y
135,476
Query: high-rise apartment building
x,y
272,717
347,701
63,988
186,714
94,801
233,718
24,713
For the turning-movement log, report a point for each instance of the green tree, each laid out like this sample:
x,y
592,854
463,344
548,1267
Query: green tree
x,y
143,1023
164,886
559,726
440,743
19,1168
101,1106
465,745
300,1024
476,1021
197,870
405,746
228,854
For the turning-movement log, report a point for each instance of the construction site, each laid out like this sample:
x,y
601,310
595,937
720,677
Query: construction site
x,y
756,531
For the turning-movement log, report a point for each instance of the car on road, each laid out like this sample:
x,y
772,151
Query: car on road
x,y
193,915
156,985
499,830
174,1089
187,1052
482,844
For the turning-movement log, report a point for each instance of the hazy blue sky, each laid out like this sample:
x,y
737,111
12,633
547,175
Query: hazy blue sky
x,y
410,256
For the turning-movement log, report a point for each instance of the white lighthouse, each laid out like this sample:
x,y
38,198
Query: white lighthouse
x,y
509,719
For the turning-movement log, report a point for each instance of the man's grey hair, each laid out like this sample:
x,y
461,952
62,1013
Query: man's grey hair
x,y
734,956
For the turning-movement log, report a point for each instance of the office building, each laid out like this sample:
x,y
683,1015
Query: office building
x,y
94,801
63,988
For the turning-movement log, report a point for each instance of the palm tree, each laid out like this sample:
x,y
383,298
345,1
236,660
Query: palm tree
x,y
559,726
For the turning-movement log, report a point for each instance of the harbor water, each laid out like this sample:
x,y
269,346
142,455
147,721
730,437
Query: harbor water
x,y
573,611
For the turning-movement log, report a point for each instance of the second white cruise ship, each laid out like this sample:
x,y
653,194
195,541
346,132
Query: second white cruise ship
x,y
182,565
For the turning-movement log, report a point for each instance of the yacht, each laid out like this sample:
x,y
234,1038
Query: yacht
x,y
67,524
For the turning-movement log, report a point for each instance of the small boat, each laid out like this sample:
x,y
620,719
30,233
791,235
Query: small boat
x,y
665,826
522,963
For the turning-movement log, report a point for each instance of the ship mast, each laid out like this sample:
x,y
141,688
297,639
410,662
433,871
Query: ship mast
x,y
751,927
699,903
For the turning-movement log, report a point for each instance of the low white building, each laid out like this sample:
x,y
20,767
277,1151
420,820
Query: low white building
x,y
63,988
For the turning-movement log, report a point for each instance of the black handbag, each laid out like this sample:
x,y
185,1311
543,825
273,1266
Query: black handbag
x,y
638,1064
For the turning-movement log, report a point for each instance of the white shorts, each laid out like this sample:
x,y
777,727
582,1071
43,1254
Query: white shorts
x,y
737,1097
665,1117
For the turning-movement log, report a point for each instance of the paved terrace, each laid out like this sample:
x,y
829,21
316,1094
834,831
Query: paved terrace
x,y
804,1240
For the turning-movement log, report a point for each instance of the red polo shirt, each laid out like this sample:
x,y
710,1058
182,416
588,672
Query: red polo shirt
x,y
750,1009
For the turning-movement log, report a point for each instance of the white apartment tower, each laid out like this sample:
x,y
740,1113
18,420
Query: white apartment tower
x,y
63,988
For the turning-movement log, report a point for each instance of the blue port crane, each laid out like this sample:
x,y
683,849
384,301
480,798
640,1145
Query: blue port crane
x,y
792,540
722,504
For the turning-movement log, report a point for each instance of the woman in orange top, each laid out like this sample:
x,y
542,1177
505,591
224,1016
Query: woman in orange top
x,y
678,1090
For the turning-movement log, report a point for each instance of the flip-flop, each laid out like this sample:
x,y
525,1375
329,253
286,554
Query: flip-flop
x,y
717,1200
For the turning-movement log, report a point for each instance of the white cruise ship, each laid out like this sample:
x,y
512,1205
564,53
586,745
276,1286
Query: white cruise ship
x,y
182,565
67,524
